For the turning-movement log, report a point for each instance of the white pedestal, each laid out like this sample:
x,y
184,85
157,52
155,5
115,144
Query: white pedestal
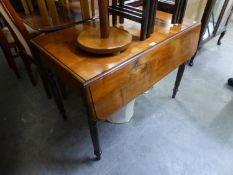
x,y
124,114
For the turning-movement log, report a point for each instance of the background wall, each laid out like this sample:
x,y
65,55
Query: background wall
x,y
195,9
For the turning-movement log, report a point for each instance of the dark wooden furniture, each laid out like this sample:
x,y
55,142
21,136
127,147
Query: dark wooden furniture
x,y
144,16
223,28
175,7
214,21
21,38
11,37
7,44
107,83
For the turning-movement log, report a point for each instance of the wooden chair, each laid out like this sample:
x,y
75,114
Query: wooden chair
x,y
175,7
7,43
144,16
21,39
12,38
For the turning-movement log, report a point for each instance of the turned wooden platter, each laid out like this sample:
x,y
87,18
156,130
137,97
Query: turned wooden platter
x,y
90,41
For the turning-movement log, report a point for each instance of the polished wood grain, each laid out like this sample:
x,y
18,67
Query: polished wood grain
x,y
111,81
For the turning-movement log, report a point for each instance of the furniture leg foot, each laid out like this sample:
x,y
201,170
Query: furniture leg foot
x,y
178,79
95,138
220,38
191,61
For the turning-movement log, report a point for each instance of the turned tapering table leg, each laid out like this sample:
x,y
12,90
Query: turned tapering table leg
x,y
56,94
178,79
95,138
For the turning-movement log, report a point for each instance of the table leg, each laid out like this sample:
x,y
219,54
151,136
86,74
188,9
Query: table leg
x,y
178,79
220,38
56,94
191,61
92,123
95,138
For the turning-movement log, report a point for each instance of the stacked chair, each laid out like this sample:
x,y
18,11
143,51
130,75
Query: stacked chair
x,y
145,15
175,7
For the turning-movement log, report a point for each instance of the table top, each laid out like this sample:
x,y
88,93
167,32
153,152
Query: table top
x,y
108,82
61,47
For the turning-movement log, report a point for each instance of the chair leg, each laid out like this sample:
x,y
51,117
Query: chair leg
x,y
178,79
122,2
152,13
114,17
145,16
11,60
7,59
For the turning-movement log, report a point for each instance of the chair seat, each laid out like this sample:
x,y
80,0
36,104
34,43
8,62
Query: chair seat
x,y
8,35
10,38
